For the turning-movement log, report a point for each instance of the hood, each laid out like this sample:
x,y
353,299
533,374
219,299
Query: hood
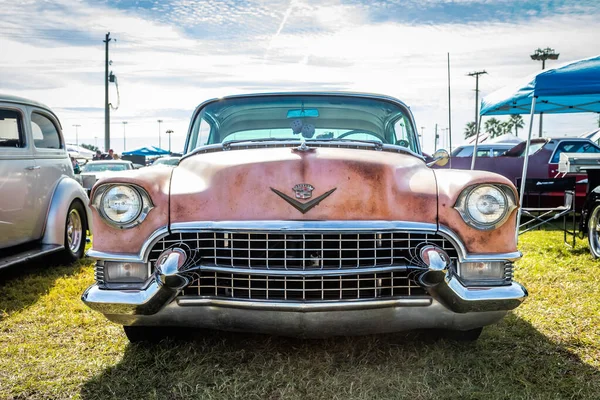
x,y
259,184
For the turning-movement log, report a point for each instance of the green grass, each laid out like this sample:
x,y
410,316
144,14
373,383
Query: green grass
x,y
52,346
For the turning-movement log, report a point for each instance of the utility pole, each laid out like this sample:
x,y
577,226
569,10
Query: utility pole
x,y
435,141
124,143
170,131
543,55
422,137
476,75
159,122
76,135
106,104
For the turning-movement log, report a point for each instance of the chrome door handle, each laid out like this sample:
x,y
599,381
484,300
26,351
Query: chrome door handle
x,y
31,168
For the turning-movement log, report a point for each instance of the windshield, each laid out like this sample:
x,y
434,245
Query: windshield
x,y
166,161
101,167
308,117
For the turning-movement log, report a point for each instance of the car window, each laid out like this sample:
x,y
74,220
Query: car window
x,y
11,132
101,167
483,153
574,147
466,151
498,152
45,134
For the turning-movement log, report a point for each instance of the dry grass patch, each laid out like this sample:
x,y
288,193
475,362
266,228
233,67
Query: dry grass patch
x,y
52,346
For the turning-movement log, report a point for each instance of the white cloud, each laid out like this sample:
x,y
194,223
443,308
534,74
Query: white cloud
x,y
193,50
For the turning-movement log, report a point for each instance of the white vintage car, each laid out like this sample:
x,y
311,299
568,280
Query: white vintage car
x,y
43,209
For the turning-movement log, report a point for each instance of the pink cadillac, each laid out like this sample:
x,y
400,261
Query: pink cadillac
x,y
306,214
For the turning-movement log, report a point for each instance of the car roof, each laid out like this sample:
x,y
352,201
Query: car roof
x,y
7,98
110,162
333,93
488,145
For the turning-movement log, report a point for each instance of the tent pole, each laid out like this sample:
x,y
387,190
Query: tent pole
x,y
525,164
474,155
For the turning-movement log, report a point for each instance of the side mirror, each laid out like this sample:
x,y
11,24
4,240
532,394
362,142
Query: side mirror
x,y
440,158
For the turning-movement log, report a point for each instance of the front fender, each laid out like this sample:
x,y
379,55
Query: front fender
x,y
66,191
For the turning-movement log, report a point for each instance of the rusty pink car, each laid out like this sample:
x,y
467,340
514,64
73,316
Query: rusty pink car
x,y
304,214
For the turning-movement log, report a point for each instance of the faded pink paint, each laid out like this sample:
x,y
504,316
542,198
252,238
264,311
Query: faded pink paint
x,y
236,185
450,184
129,241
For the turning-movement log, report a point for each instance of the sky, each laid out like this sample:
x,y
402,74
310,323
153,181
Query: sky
x,y
171,55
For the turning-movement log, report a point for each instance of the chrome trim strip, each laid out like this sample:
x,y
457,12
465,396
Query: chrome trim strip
x,y
307,272
140,257
337,305
316,226
464,256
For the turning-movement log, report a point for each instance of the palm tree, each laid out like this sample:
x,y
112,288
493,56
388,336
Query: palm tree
x,y
506,127
493,127
470,130
517,122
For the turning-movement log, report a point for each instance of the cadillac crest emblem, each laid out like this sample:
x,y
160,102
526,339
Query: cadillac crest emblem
x,y
303,191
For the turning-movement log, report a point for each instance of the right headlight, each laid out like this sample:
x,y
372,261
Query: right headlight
x,y
123,206
486,206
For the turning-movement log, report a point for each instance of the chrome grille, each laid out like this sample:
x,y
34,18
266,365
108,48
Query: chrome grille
x,y
301,250
378,285
99,272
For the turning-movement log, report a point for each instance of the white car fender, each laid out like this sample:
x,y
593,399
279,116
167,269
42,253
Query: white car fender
x,y
66,191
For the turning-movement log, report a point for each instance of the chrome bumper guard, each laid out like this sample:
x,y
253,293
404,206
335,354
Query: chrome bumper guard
x,y
168,281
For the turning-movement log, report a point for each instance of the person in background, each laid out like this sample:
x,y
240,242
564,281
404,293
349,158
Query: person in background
x,y
75,165
112,155
97,156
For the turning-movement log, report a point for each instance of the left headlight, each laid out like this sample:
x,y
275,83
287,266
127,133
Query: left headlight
x,y
123,206
486,206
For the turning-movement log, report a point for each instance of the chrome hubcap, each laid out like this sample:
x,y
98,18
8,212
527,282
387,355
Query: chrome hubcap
x,y
74,231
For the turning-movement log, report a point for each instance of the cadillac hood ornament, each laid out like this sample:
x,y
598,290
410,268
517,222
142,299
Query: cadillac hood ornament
x,y
303,191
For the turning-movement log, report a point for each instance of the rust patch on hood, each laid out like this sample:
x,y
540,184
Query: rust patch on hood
x,y
237,185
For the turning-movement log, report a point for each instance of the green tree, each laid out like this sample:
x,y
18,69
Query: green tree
x,y
470,130
89,147
493,127
516,121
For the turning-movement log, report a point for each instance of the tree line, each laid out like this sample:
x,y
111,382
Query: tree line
x,y
494,127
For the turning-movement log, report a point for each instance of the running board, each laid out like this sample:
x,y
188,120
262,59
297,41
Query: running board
x,y
29,254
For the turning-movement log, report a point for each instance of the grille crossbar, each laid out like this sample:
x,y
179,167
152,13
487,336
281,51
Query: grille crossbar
x,y
303,288
302,251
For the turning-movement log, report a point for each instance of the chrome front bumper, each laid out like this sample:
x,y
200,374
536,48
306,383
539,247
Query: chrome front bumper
x,y
450,305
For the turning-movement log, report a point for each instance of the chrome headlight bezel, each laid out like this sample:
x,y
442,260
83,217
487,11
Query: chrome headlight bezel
x,y
507,194
146,204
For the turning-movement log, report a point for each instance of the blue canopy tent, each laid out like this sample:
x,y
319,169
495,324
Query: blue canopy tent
x,y
147,151
570,88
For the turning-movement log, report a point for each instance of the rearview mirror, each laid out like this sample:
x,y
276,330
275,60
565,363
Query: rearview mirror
x,y
440,158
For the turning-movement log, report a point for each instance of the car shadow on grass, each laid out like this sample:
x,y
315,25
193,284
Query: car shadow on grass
x,y
37,276
511,360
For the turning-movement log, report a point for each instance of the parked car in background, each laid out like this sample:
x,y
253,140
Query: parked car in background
x,y
94,170
483,150
544,154
307,214
42,208
166,161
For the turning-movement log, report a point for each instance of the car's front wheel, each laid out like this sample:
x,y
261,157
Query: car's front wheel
x,y
75,233
594,230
